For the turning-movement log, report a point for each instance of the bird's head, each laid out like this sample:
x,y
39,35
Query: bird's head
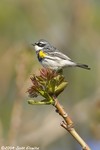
x,y
41,44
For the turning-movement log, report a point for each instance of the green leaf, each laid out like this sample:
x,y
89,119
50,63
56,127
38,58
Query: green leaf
x,y
42,102
60,88
52,85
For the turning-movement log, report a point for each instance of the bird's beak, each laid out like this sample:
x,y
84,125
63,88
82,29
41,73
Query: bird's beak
x,y
33,44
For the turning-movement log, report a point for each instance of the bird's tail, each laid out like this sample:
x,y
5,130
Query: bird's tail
x,y
83,66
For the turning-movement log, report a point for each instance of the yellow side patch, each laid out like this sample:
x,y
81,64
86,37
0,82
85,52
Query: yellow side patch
x,y
42,54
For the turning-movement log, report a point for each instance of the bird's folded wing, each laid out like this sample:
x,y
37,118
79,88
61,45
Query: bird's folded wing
x,y
60,55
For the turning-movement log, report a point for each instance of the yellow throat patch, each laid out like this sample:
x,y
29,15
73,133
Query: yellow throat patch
x,y
41,54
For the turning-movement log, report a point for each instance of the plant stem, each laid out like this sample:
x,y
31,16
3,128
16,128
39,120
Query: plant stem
x,y
68,124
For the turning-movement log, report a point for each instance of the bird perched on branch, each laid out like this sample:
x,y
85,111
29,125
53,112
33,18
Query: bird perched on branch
x,y
50,57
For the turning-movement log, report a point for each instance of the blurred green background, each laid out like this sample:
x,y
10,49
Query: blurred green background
x,y
73,27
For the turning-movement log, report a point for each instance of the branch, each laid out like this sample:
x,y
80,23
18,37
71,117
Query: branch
x,y
49,84
68,124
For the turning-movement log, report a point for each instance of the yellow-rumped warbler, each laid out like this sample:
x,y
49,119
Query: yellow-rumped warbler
x,y
51,57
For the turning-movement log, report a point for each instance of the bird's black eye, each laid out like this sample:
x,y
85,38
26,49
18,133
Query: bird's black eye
x,y
41,44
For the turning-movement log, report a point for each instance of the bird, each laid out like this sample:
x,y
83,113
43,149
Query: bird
x,y
51,58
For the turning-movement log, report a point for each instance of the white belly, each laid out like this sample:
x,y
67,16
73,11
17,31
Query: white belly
x,y
58,64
